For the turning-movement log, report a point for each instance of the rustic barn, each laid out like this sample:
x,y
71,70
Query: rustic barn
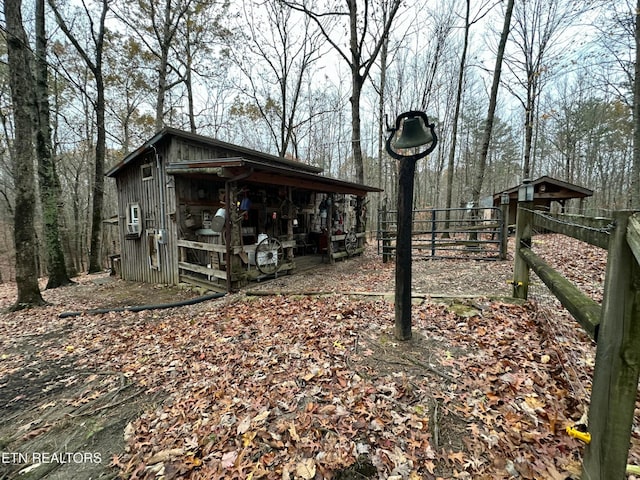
x,y
546,191
198,210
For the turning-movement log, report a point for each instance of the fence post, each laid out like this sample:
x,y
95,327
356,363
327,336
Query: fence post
x,y
383,222
524,224
615,379
504,234
433,232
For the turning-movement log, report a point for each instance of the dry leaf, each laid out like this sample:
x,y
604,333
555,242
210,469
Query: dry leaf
x,y
306,469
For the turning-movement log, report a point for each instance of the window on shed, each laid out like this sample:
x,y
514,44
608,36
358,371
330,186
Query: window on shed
x,y
134,220
147,171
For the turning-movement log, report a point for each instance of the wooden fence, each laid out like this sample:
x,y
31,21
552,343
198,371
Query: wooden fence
x,y
615,325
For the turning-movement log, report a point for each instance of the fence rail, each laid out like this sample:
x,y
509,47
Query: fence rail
x,y
477,233
615,325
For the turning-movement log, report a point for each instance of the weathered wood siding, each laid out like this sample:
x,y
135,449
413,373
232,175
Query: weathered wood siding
x,y
132,188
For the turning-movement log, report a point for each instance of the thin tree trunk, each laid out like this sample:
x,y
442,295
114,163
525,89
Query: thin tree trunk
x,y
95,264
22,94
486,138
95,65
456,114
635,173
49,183
381,126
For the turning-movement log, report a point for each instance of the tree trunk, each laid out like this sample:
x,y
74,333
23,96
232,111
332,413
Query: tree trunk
x,y
528,128
95,264
49,183
486,138
381,126
21,82
456,115
635,173
357,81
95,65
163,67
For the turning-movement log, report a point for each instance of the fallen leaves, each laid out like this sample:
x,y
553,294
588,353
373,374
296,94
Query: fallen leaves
x,y
306,387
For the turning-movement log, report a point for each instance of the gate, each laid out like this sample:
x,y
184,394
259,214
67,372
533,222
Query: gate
x,y
468,233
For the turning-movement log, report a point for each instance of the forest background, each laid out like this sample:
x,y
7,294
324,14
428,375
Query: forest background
x,y
313,81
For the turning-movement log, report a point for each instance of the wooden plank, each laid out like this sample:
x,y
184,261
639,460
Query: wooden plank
x,y
615,379
574,227
633,235
584,309
208,247
337,255
203,270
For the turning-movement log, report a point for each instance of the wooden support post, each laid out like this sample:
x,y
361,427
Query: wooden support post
x,y
524,224
406,174
291,214
433,232
330,230
504,234
615,379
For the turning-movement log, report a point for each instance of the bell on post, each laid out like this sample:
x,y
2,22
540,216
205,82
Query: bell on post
x,y
414,134
412,130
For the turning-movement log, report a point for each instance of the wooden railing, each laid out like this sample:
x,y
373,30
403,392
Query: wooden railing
x,y
615,324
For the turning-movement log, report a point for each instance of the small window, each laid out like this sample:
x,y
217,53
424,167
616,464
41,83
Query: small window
x,y
147,171
134,220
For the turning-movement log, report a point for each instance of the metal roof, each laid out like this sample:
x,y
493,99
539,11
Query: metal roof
x,y
259,167
209,141
573,191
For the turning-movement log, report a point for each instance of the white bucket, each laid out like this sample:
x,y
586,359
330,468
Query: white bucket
x,y
217,224
262,236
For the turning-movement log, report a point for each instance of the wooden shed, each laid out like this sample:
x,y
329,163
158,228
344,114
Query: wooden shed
x,y
546,190
198,210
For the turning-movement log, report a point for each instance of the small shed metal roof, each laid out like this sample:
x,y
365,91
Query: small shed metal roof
x,y
209,141
260,167
550,188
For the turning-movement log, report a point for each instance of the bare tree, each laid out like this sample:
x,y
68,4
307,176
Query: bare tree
x,y
22,94
49,184
493,100
538,25
468,22
364,46
275,53
157,25
635,171
92,55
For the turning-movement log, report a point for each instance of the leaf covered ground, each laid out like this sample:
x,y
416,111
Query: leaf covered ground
x,y
296,386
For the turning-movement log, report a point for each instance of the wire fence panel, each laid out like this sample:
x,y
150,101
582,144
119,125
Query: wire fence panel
x,y
440,233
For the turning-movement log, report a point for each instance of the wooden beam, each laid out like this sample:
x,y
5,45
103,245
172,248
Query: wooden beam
x,y
303,183
208,247
615,378
584,309
573,226
203,270
633,235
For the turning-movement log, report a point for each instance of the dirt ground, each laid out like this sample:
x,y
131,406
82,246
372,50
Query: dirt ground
x,y
54,405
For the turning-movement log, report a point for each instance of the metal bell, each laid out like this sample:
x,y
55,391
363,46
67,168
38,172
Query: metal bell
x,y
414,134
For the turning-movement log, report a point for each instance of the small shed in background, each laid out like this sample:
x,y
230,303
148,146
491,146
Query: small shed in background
x,y
546,190
198,210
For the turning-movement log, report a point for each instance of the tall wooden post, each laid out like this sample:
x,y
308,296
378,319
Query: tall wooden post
x,y
615,379
523,239
504,234
416,132
406,173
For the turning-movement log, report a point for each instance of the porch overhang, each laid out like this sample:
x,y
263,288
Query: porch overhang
x,y
257,172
